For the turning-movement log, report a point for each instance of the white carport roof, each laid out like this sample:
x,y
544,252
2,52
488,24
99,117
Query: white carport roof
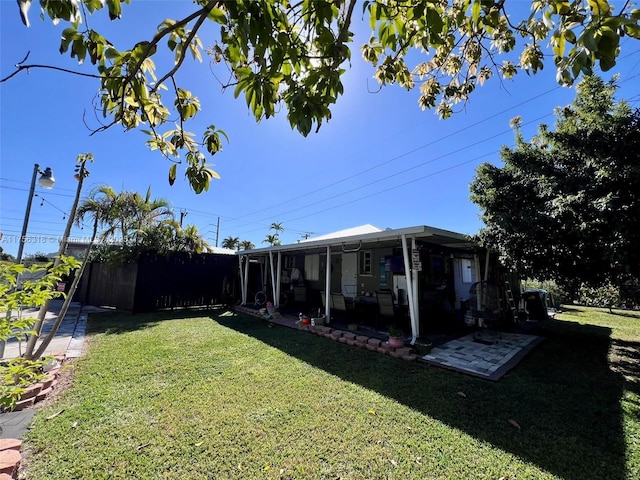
x,y
368,234
222,251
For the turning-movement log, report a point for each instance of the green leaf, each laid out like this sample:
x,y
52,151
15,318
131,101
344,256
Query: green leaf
x,y
589,41
570,36
475,12
632,30
68,36
93,5
115,9
79,49
217,16
172,173
559,44
600,7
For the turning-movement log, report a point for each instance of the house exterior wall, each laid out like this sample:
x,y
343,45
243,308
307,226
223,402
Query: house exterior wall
x,y
443,286
379,277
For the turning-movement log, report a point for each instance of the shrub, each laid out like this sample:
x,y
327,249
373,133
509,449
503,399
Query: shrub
x,y
606,296
559,295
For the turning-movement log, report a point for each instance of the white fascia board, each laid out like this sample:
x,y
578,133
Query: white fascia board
x,y
420,232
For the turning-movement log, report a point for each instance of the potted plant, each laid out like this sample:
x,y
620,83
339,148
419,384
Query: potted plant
x,y
396,337
271,309
422,348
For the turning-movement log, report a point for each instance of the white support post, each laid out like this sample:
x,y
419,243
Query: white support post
x,y
479,285
327,287
246,278
476,264
408,275
416,295
486,267
273,280
278,279
243,291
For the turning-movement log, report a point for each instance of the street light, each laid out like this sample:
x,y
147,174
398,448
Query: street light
x,y
46,181
81,174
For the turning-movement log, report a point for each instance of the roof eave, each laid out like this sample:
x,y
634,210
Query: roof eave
x,y
459,240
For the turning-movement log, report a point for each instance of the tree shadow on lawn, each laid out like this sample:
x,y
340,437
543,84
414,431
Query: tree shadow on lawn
x,y
625,359
622,313
564,396
118,322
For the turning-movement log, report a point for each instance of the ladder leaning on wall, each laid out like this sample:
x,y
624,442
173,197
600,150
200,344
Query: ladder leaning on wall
x,y
510,303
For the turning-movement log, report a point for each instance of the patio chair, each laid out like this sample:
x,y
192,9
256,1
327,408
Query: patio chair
x,y
323,298
338,302
386,308
385,303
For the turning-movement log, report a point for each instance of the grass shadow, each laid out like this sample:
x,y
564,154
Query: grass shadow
x,y
564,396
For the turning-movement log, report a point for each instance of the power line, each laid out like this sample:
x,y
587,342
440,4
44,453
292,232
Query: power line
x,y
6,187
411,168
28,183
431,143
386,178
233,219
396,186
402,155
372,168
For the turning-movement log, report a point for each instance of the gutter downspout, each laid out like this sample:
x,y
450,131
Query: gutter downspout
x,y
408,276
327,287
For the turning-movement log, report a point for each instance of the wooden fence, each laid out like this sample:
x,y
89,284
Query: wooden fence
x,y
159,282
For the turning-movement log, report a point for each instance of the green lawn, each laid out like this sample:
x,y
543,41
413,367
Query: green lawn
x,y
214,395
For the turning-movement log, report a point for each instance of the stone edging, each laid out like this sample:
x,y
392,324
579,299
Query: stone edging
x,y
10,456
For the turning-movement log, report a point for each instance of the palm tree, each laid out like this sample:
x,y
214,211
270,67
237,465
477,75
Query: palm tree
x,y
144,212
190,240
161,237
277,227
272,239
231,243
141,222
101,205
246,245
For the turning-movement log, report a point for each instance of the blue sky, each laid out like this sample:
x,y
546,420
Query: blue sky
x,y
380,160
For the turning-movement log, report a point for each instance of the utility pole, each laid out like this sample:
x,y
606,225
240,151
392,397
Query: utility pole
x,y
217,231
183,213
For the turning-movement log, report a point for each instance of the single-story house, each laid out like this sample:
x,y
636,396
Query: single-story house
x,y
427,272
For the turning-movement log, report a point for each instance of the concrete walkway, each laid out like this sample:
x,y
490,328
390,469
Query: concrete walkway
x,y
69,339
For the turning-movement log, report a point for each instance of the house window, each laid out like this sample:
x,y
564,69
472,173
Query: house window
x,y
289,262
312,267
365,263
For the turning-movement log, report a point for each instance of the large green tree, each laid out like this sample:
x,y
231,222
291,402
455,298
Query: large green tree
x,y
294,53
566,204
